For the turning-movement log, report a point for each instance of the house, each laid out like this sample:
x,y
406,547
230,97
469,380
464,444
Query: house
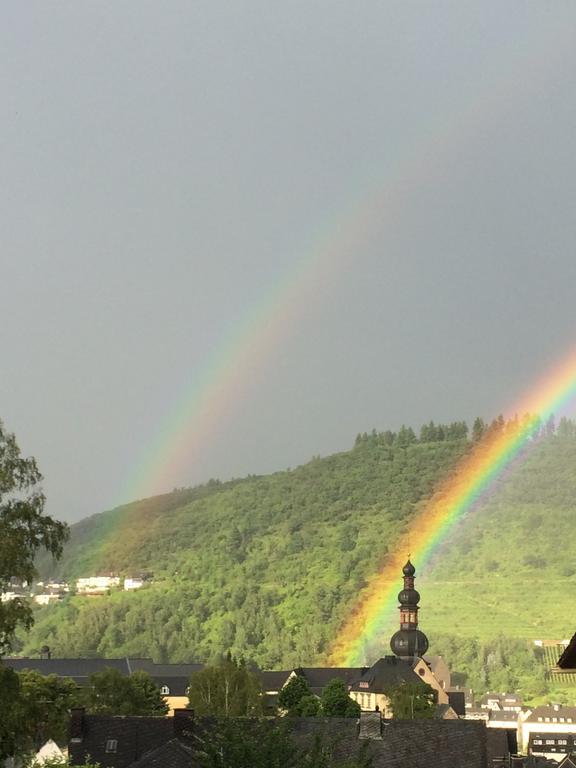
x,y
148,742
47,598
171,679
96,585
548,731
133,582
503,702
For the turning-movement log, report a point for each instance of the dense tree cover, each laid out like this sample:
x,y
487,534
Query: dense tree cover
x,y
33,709
46,702
269,566
111,693
228,688
412,701
24,529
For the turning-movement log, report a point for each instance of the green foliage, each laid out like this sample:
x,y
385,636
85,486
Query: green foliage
x,y
227,689
24,530
46,702
412,701
336,702
307,542
111,693
309,706
290,697
12,738
33,709
236,743
271,566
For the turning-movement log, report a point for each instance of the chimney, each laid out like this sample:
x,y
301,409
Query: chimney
x,y
77,724
183,723
370,725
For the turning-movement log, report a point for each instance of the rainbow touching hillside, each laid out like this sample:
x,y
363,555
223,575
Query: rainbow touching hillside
x,y
471,481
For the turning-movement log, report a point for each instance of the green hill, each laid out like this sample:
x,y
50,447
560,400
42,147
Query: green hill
x,y
270,566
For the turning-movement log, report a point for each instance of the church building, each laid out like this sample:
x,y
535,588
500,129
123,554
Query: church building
x,y
409,645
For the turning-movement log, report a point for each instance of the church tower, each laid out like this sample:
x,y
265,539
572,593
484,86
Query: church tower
x,y
409,641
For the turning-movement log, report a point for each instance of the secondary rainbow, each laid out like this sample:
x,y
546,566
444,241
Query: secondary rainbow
x,y
215,386
473,479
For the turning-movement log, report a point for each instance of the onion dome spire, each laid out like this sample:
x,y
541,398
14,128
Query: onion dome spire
x,y
409,641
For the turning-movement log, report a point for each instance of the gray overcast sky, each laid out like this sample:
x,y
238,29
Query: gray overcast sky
x,y
167,167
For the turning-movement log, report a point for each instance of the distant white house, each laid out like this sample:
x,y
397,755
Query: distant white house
x,y
46,599
132,583
6,597
96,584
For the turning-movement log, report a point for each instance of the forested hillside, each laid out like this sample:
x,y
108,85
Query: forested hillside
x,y
269,566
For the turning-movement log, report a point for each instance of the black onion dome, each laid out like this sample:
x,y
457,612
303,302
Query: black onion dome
x,y
409,597
409,642
408,569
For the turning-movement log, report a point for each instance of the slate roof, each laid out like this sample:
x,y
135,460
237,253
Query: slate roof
x,y
274,681
319,677
172,754
385,673
501,716
498,744
554,713
404,743
135,736
78,669
175,676
148,742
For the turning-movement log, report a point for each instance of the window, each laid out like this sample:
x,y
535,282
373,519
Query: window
x,y
537,741
562,741
539,719
550,741
165,691
111,745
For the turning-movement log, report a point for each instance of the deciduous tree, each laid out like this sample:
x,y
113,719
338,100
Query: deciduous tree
x,y
24,529
228,689
336,702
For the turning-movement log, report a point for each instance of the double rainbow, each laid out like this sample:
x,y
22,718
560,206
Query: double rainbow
x,y
472,480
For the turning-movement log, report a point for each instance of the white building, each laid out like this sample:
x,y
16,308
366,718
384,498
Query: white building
x,y
96,584
132,583
46,599
548,731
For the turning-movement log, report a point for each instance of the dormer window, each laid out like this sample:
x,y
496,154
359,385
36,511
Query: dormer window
x,y
111,745
165,691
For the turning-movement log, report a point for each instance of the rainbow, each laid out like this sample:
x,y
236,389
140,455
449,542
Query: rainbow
x,y
472,480
215,386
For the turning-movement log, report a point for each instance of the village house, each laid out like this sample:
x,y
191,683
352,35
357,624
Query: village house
x,y
548,731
